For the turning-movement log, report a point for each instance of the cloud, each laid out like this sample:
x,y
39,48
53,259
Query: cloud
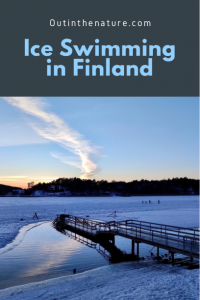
x,y
53,128
68,160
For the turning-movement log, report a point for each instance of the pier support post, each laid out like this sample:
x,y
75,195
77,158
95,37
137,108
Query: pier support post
x,y
157,252
113,240
191,258
133,247
172,254
138,244
75,228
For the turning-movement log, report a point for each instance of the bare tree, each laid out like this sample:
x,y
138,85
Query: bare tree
x,y
30,184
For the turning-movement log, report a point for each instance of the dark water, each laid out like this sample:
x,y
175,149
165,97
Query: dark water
x,y
46,253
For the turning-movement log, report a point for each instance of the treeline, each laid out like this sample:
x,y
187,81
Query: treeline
x,y
175,186
4,189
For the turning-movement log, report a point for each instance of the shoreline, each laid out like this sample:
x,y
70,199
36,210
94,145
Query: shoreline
x,y
99,196
20,236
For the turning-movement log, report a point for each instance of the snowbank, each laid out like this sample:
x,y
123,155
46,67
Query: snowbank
x,y
114,282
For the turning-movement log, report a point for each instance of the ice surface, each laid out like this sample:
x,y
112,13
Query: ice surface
x,y
115,281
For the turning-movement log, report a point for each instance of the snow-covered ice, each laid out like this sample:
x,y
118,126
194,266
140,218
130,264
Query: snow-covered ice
x,y
120,281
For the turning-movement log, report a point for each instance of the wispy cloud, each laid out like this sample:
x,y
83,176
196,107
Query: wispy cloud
x,y
55,129
75,162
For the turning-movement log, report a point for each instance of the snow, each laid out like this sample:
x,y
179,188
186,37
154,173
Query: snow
x,y
121,281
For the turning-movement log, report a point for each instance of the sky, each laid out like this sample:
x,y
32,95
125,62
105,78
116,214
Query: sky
x,y
123,138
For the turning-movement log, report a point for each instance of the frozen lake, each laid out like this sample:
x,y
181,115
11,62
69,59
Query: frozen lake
x,y
112,281
45,253
172,210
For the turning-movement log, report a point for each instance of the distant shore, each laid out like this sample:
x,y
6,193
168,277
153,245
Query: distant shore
x,y
99,196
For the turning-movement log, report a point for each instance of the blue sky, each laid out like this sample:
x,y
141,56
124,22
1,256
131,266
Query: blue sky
x,y
99,138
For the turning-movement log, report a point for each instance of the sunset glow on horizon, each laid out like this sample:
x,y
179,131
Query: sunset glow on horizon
x,y
121,139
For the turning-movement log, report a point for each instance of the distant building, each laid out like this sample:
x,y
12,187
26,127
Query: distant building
x,y
54,187
51,187
18,192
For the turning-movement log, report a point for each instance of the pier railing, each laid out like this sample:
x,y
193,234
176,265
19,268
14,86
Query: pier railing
x,y
184,239
174,238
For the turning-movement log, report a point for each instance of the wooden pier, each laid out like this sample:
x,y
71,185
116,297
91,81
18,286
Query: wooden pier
x,y
172,238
